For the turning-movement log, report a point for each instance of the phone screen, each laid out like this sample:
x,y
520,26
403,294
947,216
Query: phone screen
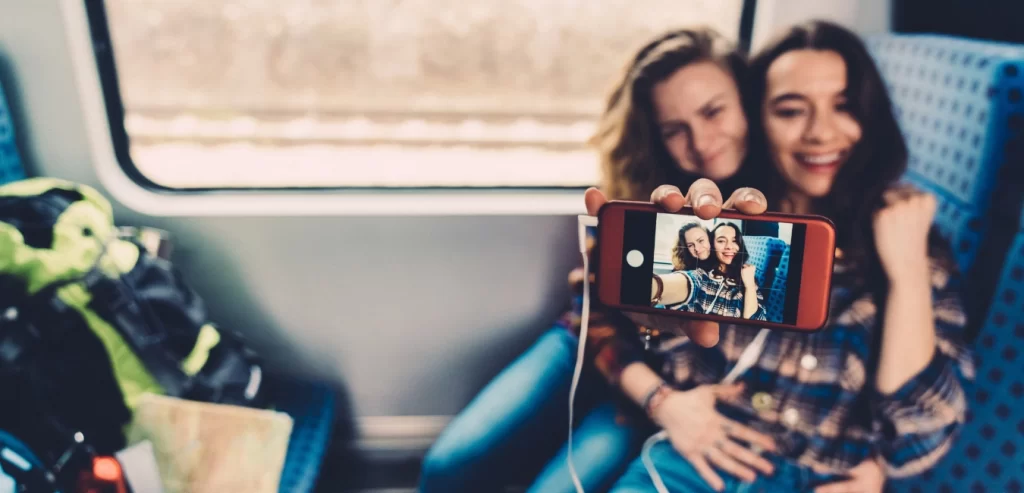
x,y
745,269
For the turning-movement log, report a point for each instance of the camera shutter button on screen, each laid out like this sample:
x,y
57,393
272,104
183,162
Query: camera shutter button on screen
x,y
634,258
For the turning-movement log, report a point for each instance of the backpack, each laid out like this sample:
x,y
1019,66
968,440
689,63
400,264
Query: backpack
x,y
90,321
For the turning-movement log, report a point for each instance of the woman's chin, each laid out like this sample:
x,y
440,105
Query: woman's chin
x,y
721,172
715,171
817,188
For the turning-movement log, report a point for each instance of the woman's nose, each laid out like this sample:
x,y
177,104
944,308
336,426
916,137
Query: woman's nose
x,y
821,129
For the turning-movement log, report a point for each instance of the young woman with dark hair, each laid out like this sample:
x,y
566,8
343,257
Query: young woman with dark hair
x,y
876,393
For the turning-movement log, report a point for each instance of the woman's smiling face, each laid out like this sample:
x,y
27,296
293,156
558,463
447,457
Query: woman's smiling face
x,y
697,243
726,245
807,121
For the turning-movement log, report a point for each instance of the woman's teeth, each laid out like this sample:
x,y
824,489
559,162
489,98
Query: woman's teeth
x,y
819,159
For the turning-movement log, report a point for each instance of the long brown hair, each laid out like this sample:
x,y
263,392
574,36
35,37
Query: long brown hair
x,y
732,271
877,162
634,160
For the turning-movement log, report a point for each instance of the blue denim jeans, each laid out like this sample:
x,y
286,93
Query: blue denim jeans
x,y
515,430
679,476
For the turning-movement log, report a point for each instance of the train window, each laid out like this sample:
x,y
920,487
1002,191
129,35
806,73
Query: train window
x,y
230,94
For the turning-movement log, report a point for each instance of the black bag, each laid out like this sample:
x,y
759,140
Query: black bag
x,y
90,321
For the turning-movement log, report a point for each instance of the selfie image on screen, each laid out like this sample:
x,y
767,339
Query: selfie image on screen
x,y
728,267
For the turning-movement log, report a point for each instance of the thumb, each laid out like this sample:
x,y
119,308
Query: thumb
x,y
704,332
594,199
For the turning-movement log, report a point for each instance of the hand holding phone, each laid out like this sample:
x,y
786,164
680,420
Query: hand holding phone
x,y
771,270
669,198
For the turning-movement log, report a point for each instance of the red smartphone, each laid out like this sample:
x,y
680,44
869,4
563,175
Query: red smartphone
x,y
770,270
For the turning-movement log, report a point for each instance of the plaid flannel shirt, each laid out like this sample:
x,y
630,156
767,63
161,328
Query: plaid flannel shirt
x,y
717,295
813,392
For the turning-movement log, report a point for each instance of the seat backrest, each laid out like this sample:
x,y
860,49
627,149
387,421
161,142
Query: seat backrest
x,y
988,453
775,302
764,252
958,102
960,106
11,168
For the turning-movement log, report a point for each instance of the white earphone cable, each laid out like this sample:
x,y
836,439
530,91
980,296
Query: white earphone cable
x,y
645,456
583,223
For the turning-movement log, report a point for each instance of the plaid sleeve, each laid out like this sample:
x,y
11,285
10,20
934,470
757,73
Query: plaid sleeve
x,y
613,341
698,287
919,421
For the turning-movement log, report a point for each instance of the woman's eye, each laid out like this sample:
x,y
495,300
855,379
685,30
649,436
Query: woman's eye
x,y
788,112
668,133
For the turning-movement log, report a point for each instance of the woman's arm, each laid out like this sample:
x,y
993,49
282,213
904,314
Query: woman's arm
x,y
637,381
751,296
901,239
674,288
919,402
750,304
908,335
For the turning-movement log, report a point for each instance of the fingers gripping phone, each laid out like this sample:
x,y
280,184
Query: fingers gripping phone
x,y
770,270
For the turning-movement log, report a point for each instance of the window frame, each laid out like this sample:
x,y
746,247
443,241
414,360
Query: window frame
x,y
102,50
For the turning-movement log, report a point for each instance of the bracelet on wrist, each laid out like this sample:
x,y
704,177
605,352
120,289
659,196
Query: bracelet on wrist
x,y
660,291
654,398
